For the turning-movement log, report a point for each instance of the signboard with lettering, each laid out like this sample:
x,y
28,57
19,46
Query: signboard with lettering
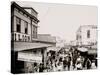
x,y
30,57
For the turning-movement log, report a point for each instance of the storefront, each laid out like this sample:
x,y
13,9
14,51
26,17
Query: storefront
x,y
26,57
31,60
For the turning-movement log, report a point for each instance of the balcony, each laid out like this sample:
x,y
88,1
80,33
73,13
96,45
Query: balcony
x,y
16,36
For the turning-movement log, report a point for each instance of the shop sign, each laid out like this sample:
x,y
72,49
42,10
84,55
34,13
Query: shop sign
x,y
29,57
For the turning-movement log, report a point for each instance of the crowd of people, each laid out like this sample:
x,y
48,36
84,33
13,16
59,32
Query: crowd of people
x,y
66,61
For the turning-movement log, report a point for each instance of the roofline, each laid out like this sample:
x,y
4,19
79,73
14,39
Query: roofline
x,y
30,8
46,42
19,7
86,26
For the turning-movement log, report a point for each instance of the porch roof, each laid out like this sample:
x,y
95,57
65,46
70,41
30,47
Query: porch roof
x,y
19,46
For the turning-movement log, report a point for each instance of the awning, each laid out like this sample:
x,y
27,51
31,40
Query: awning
x,y
19,46
52,48
92,51
83,49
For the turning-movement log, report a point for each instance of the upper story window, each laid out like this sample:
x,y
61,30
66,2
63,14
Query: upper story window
x,y
19,37
15,37
26,27
28,38
88,33
77,37
80,36
18,24
34,32
23,37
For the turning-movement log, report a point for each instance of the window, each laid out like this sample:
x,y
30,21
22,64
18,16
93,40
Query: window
x,y
23,37
88,33
77,37
80,36
28,38
15,37
26,27
19,37
34,32
18,23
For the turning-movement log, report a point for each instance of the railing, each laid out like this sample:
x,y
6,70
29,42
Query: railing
x,y
16,36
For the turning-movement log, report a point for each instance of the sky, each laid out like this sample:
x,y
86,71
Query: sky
x,y
62,20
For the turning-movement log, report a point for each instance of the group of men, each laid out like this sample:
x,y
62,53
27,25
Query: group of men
x,y
72,60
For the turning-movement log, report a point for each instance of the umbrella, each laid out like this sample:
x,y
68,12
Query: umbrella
x,y
83,49
92,51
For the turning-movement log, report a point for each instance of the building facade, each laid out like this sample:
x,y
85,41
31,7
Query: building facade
x,y
26,52
86,35
24,24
